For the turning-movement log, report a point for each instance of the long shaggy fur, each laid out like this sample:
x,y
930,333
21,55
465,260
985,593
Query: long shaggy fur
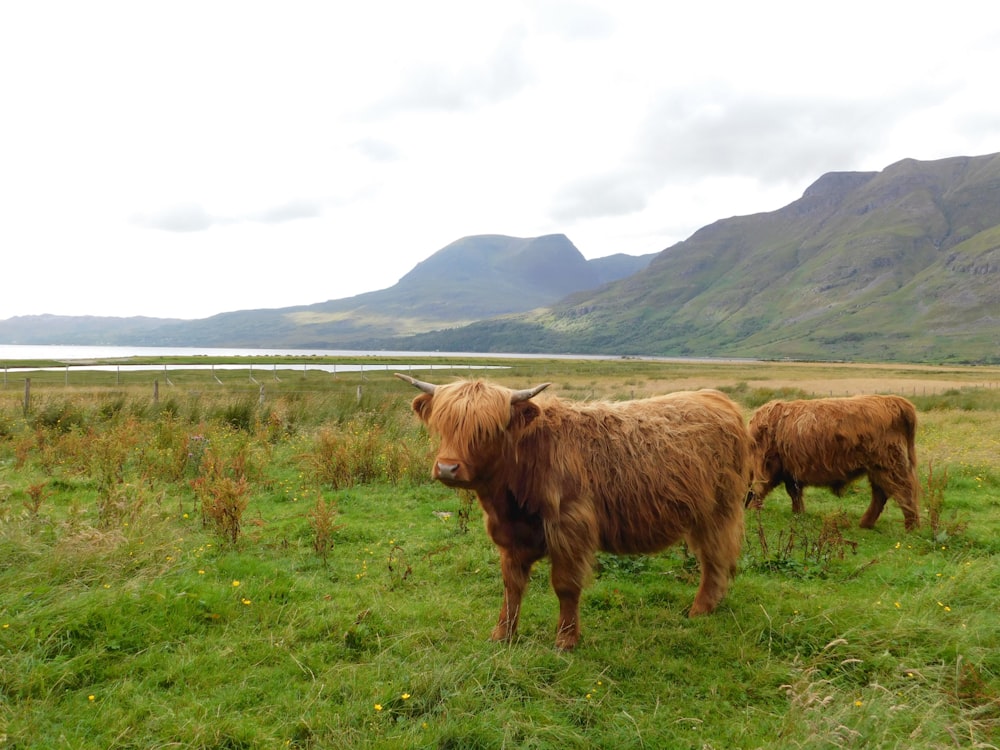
x,y
563,479
830,442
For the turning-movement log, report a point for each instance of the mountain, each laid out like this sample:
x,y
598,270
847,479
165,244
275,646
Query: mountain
x,y
897,265
470,279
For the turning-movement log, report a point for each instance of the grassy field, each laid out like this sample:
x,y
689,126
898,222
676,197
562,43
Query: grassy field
x,y
231,567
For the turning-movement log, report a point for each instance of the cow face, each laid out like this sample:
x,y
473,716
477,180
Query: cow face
x,y
475,422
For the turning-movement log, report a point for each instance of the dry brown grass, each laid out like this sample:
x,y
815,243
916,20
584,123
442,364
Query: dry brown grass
x,y
967,439
615,380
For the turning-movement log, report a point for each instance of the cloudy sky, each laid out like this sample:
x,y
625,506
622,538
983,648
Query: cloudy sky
x,y
180,159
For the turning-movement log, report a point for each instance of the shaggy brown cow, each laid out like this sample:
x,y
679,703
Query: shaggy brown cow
x,y
565,479
829,442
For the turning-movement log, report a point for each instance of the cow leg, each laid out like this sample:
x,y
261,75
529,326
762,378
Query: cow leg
x,y
718,553
794,490
568,576
875,508
909,503
905,489
515,567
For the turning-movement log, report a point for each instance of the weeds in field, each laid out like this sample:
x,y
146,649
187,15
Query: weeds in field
x,y
37,493
399,568
223,501
109,452
322,519
224,491
363,450
802,549
192,452
934,503
466,507
240,414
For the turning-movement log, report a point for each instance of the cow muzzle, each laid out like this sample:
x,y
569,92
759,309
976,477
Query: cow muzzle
x,y
446,471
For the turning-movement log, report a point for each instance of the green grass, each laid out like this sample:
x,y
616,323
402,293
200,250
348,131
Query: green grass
x,y
122,624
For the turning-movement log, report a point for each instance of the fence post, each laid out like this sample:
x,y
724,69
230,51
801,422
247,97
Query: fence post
x,y
260,398
359,394
66,380
27,394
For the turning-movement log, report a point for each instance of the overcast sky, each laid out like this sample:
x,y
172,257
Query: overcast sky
x,y
180,159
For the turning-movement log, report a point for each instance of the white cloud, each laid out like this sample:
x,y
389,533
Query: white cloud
x,y
182,159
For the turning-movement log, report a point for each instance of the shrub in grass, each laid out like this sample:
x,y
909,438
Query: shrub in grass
x,y
322,521
62,415
112,407
363,450
36,496
223,487
223,502
240,414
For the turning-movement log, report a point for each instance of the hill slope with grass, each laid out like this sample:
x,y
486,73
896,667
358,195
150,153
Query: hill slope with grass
x,y
471,279
897,265
902,264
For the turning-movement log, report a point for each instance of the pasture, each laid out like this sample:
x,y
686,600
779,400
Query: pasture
x,y
266,564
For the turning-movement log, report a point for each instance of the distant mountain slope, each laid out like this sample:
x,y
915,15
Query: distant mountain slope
x,y
88,330
471,279
897,265
902,264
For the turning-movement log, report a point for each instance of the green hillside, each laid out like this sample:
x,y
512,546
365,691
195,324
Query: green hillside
x,y
897,265
470,279
902,264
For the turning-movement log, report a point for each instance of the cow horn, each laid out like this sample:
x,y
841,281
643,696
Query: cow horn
x,y
527,393
425,387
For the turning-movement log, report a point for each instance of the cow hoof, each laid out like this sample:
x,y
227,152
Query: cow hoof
x,y
566,644
697,610
502,634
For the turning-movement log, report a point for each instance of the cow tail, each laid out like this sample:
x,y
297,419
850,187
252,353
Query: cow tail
x,y
910,421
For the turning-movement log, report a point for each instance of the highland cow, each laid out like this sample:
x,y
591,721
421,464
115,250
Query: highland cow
x,y
830,442
563,479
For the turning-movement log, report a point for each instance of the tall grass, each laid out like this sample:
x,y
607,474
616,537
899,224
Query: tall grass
x,y
346,601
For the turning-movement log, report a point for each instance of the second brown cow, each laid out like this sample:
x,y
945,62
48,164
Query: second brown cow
x,y
830,442
563,479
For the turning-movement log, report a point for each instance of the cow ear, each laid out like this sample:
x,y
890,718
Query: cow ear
x,y
422,406
523,413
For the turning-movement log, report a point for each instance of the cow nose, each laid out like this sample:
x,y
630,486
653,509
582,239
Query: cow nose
x,y
446,471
